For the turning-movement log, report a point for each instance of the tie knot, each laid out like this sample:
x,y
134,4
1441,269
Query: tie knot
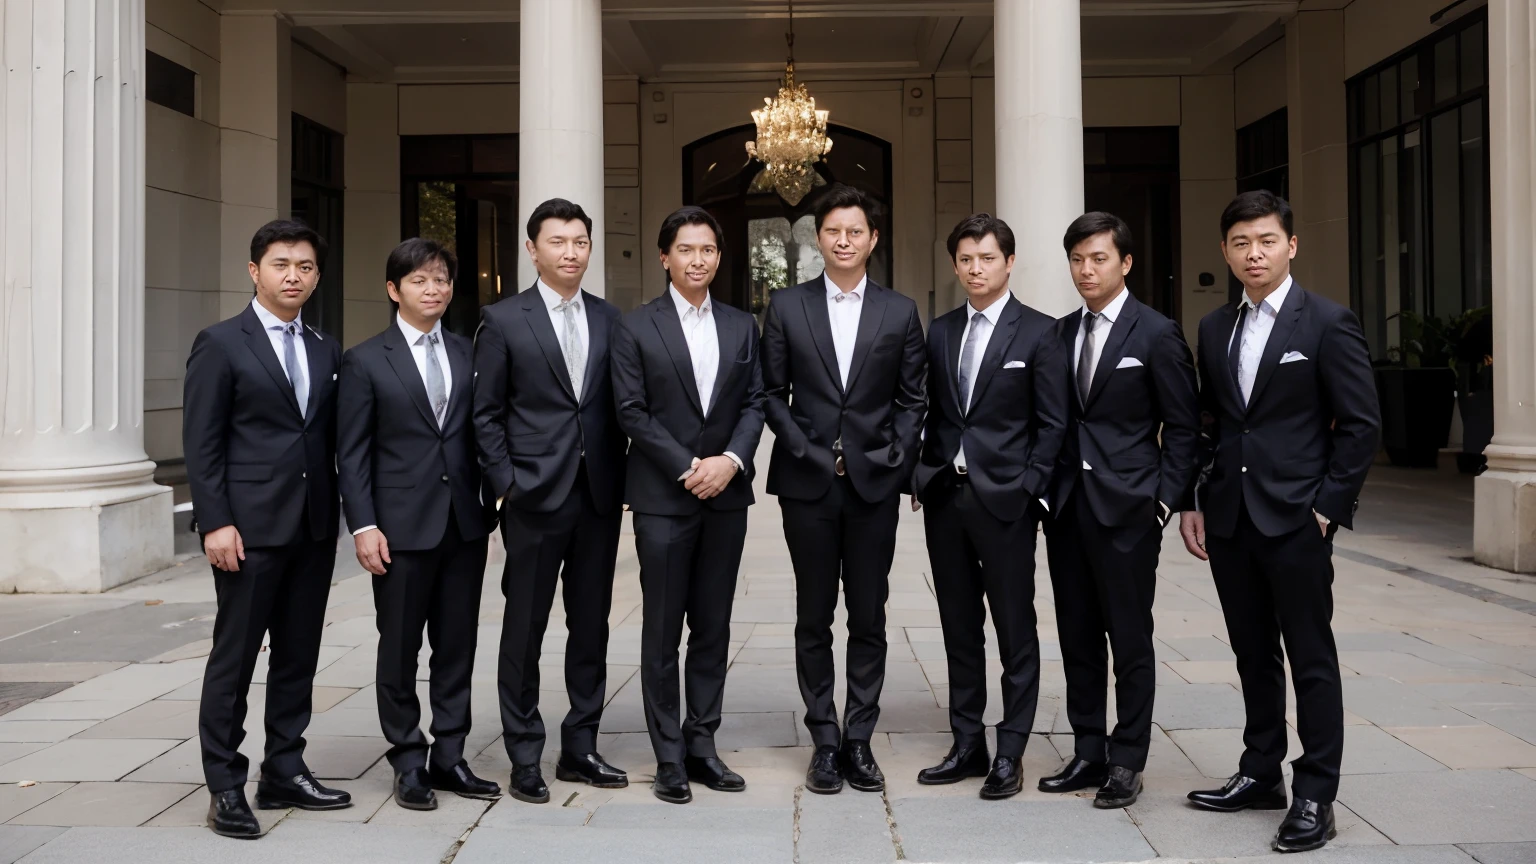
x,y
432,338
1090,319
566,306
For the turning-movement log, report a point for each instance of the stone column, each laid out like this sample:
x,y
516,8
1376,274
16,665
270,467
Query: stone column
x,y
1039,69
1504,522
560,118
1319,151
79,510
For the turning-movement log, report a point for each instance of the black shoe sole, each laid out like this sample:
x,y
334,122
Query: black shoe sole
x,y
224,833
1074,786
1116,803
530,799
949,780
427,805
473,796
1281,847
862,786
717,788
1257,805
994,795
281,804
672,799
824,790
569,776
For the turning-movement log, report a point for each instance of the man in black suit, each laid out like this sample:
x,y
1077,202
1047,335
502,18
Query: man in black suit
x,y
553,454
259,432
843,364
690,396
410,481
1133,427
998,391
1286,378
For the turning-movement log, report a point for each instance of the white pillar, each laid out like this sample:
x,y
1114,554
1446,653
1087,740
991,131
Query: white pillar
x,y
79,511
560,118
1504,523
1039,68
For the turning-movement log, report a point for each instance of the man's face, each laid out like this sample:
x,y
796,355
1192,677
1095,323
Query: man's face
x,y
982,269
561,252
1258,252
285,277
693,258
1098,270
423,293
846,239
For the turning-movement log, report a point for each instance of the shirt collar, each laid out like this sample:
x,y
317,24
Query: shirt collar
x,y
993,311
412,335
553,298
833,290
1112,311
272,322
1276,299
684,307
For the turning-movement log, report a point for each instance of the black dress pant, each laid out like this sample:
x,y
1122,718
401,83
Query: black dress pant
x,y
1104,580
1273,588
840,538
981,562
281,589
438,589
688,570
576,545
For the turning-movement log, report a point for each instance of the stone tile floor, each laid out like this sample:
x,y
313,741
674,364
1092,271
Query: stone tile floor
x,y
98,750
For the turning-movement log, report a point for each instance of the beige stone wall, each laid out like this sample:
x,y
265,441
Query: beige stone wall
x,y
627,244
372,203
1259,85
1376,29
1207,182
319,89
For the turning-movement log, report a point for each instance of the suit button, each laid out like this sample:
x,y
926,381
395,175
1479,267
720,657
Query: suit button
x,y
1245,469
304,476
445,478
1245,431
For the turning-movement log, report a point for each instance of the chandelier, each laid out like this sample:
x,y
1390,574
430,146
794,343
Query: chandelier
x,y
791,135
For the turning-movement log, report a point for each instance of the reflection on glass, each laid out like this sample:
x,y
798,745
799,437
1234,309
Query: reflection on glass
x,y
1445,212
780,255
1472,60
1369,257
436,216
1478,278
1445,70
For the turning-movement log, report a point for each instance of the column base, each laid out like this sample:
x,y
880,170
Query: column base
x,y
93,540
1504,510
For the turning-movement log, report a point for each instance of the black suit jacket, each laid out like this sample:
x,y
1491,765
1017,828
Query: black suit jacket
x,y
1018,411
530,427
399,470
1309,432
659,407
253,461
1140,430
879,416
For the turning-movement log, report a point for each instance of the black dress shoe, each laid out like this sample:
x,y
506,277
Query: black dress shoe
x,y
1077,774
710,772
302,791
859,768
1308,826
413,790
230,816
589,768
671,783
962,762
1120,789
1241,793
824,777
462,782
1004,780
527,784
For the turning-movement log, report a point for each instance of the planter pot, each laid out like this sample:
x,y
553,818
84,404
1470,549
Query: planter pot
x,y
1477,430
1416,406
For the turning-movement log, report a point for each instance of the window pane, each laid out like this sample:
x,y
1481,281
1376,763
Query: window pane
x,y
1389,97
1410,196
169,83
1474,63
437,213
1445,213
1408,85
1370,91
1368,253
1445,70
1477,277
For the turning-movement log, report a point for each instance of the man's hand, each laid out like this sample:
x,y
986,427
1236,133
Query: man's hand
x,y
710,476
1192,529
224,548
1322,522
372,550
916,504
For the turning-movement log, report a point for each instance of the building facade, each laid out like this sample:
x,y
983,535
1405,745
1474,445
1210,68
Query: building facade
x,y
145,141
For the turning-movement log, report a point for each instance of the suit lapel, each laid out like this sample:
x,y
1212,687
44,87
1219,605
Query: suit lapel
x,y
821,328
949,340
261,345
1114,348
727,334
870,319
664,316
1002,336
1222,345
398,353
544,334
319,369
461,360
597,347
1279,336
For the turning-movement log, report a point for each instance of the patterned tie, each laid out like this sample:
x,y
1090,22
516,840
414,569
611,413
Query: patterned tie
x,y
296,377
437,388
575,354
1235,349
1085,357
979,326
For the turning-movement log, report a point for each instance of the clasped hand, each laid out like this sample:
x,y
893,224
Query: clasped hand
x,y
710,476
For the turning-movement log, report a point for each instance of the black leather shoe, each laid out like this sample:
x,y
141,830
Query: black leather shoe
x,y
1120,790
230,816
962,762
413,790
1241,793
589,768
671,783
824,777
527,784
1077,774
859,768
462,782
710,772
302,791
1004,780
1308,826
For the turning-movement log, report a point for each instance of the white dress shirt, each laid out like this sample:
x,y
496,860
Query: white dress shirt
x,y
1100,331
557,319
275,336
419,345
991,313
703,352
1257,325
843,309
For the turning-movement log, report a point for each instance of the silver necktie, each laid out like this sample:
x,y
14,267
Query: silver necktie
x,y
968,358
575,354
437,387
291,365
1085,357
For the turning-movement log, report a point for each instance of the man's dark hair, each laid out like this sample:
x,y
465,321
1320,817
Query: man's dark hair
x,y
976,227
689,215
1098,222
287,231
416,253
1256,205
840,195
556,208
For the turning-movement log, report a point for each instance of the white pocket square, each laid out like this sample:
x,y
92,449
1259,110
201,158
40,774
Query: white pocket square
x,y
1128,363
1292,357
1014,364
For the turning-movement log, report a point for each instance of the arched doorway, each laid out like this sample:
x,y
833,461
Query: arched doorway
x,y
769,243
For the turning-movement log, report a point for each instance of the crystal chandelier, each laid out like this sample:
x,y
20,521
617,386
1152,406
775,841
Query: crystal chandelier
x,y
791,134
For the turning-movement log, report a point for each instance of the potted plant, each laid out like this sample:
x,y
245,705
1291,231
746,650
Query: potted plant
x,y
1417,389
1470,346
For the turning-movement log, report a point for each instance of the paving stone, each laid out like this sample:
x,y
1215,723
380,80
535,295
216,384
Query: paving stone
x,y
1177,830
72,673
1201,647
1198,706
95,709
140,682
1445,806
1215,752
1015,830
844,829
1392,703
46,731
1332,854
1501,853
645,833
1517,720
16,800
1479,692
453,816
12,751
18,840
1370,750
77,760
1469,746
106,804
157,719
766,729
129,632
288,841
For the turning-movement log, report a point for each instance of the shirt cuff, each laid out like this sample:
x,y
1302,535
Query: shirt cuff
x,y
364,528
740,466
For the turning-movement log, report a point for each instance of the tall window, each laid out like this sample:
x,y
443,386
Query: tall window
x,y
1419,214
318,198
1133,172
